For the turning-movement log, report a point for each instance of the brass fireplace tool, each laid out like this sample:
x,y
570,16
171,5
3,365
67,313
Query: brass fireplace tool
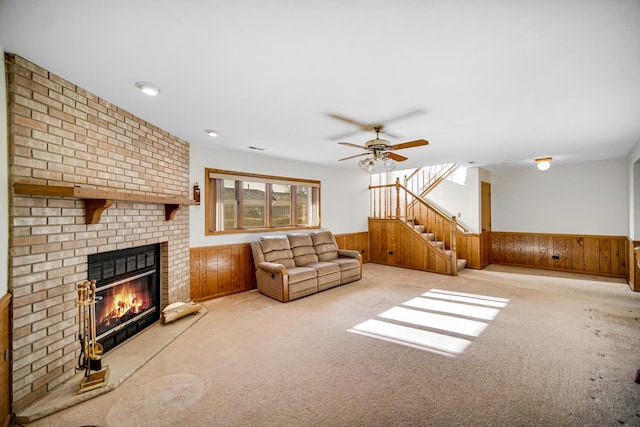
x,y
90,358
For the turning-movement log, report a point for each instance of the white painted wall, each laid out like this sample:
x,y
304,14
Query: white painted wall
x,y
4,181
581,198
344,194
633,167
460,194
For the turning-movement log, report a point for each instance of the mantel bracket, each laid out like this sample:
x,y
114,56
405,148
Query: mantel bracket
x,y
170,210
94,208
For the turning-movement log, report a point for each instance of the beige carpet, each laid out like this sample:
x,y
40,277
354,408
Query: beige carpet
x,y
559,351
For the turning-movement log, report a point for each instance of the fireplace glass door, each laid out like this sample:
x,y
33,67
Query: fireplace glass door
x,y
128,293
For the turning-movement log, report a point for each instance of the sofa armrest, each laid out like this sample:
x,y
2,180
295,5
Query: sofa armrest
x,y
273,280
347,253
272,267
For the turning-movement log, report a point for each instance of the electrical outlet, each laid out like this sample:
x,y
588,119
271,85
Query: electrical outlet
x,y
459,214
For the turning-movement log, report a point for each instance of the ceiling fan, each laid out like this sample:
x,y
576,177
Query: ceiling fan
x,y
367,126
381,150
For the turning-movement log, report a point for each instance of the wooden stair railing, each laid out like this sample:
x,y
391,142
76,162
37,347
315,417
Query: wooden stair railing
x,y
396,201
422,180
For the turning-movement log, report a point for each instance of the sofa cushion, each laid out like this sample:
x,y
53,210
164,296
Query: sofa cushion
x,y
277,249
302,249
300,274
325,267
325,245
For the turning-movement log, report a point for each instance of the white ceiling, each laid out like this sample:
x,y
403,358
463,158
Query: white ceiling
x,y
495,81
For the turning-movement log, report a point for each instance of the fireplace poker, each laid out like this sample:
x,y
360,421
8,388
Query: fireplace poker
x,y
95,349
83,333
91,355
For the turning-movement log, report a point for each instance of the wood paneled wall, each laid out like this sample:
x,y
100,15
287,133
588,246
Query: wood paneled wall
x,y
355,241
393,242
221,270
227,269
469,247
600,255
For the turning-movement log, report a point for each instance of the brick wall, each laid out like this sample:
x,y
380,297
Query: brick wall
x,y
60,134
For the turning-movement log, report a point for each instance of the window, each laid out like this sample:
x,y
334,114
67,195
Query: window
x,y
240,202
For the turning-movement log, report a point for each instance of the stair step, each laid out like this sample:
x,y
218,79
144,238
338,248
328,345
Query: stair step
x,y
439,245
428,236
462,263
419,228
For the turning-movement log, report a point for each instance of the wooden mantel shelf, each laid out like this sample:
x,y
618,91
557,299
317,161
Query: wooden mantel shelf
x,y
96,201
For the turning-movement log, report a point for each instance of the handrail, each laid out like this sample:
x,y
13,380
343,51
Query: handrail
x,y
425,179
421,200
400,202
412,174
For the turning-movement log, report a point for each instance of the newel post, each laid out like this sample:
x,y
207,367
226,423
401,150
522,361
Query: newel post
x,y
398,198
454,253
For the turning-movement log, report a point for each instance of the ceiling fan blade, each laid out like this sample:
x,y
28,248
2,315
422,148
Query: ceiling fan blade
x,y
352,145
404,116
346,119
345,135
353,157
362,125
416,143
389,134
397,157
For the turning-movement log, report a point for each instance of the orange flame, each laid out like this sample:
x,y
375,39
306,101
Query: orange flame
x,y
124,302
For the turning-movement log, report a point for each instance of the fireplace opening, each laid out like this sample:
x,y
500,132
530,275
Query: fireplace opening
x,y
127,292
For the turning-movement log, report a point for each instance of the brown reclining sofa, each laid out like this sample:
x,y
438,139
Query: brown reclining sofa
x,y
296,265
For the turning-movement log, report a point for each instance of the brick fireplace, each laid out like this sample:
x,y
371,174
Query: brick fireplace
x,y
60,135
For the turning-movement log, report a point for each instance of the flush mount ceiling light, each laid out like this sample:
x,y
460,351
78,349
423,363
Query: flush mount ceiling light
x,y
544,163
148,88
212,133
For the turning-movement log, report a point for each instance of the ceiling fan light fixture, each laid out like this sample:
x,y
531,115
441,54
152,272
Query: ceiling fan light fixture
x,y
148,88
389,164
543,163
366,164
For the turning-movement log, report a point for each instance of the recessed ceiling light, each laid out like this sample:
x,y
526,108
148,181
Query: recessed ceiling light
x,y
148,88
212,133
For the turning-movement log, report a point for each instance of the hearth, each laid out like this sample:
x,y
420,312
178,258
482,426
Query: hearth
x,y
127,291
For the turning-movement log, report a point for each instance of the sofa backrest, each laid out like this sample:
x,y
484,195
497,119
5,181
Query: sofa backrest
x,y
325,245
277,249
302,249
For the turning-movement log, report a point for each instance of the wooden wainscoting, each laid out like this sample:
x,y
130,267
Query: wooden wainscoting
x,y
394,242
600,255
356,242
469,247
5,374
222,270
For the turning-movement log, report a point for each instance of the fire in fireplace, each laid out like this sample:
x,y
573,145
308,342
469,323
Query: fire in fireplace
x,y
128,292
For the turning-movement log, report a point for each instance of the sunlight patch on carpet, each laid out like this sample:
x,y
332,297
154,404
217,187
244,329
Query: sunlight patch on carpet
x,y
442,322
439,321
466,310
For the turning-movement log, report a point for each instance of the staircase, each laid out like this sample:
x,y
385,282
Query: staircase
x,y
438,244
435,228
